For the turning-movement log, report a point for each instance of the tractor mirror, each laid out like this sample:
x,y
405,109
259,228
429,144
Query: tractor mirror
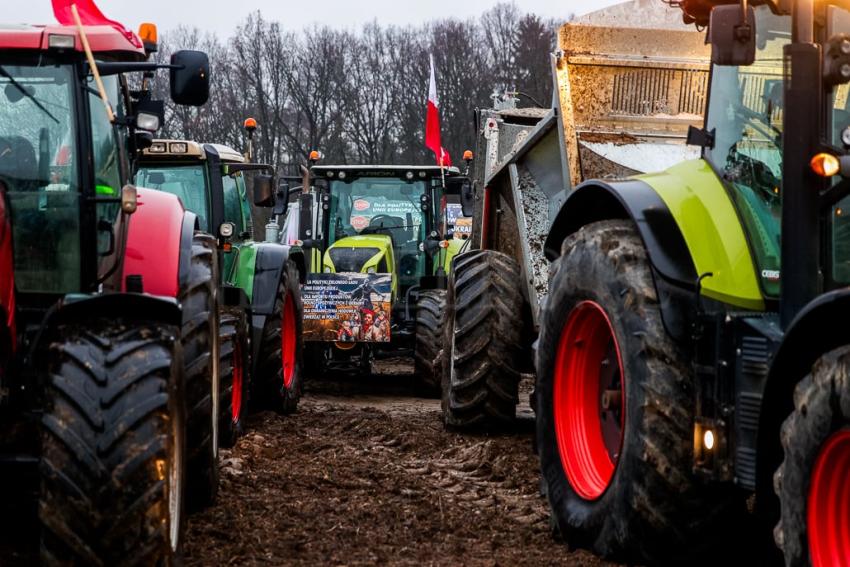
x,y
263,190
733,39
190,78
467,199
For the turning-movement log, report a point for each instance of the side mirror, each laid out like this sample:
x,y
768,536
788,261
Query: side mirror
x,y
263,191
733,40
467,199
190,78
281,202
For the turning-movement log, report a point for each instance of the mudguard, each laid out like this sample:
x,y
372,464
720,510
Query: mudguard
x,y
159,243
690,227
812,334
8,335
597,200
131,306
268,269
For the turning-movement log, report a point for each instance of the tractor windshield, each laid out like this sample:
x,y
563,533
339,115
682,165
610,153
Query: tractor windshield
x,y
382,205
745,110
39,173
188,182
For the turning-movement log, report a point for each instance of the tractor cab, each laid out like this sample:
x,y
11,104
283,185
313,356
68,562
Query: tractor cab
x,y
377,238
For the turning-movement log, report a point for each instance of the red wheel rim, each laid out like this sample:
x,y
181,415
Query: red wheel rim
x,y
829,503
238,376
589,400
287,341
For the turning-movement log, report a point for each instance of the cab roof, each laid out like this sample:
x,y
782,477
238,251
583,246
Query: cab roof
x,y
186,149
391,170
104,40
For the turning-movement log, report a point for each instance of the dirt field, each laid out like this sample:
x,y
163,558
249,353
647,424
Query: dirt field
x,y
362,476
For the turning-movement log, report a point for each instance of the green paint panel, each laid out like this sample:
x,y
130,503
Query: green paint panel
x,y
712,230
246,263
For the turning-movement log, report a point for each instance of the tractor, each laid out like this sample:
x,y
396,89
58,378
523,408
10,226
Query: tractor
x,y
379,240
260,281
693,376
107,347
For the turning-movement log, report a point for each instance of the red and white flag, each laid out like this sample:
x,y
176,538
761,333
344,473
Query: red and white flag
x,y
90,15
432,124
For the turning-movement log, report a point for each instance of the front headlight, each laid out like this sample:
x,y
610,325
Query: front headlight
x,y
328,270
370,271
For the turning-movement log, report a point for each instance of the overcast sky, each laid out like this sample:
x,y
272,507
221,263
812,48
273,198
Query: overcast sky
x,y
222,16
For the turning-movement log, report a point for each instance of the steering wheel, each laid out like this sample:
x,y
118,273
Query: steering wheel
x,y
753,173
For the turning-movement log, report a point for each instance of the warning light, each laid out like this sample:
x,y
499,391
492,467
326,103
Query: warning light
x,y
315,156
825,165
148,34
708,439
468,155
444,244
250,124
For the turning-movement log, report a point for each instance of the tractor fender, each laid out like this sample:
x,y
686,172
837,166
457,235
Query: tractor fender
x,y
812,334
268,269
673,269
128,306
596,200
8,334
159,243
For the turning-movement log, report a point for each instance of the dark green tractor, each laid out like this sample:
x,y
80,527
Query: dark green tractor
x,y
261,299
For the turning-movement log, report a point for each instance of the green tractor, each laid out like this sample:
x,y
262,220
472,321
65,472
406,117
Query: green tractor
x,y
693,361
260,281
379,240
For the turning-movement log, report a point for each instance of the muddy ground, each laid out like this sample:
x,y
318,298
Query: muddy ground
x,y
365,473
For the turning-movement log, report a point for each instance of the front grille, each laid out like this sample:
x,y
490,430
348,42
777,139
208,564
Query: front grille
x,y
351,259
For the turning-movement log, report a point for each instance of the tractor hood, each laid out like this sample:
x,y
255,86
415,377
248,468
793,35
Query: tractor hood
x,y
360,254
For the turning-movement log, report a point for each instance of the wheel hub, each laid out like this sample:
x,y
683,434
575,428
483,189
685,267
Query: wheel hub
x,y
288,341
589,402
828,525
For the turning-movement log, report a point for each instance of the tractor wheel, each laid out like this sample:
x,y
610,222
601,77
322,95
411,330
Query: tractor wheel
x,y
483,339
278,384
200,354
430,328
113,439
614,402
233,372
812,482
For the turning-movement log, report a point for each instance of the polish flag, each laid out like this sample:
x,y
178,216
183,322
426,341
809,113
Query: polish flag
x,y
432,124
90,15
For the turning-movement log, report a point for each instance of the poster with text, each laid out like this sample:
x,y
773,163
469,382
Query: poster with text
x,y
347,308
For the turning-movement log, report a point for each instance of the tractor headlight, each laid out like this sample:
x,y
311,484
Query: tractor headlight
x,y
370,270
328,270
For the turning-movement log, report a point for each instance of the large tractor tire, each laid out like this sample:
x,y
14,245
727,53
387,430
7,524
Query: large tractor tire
x,y
279,370
614,402
113,440
199,338
429,351
483,340
233,371
813,482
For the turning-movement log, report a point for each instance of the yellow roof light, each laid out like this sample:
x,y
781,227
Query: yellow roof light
x,y
468,155
250,124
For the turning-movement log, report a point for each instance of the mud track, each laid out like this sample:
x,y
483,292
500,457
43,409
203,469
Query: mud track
x,y
359,476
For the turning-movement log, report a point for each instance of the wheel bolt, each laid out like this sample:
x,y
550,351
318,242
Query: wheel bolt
x,y
611,399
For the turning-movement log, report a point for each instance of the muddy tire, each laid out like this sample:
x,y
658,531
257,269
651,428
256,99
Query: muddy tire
x,y
811,482
617,466
483,340
430,329
113,438
278,383
233,372
199,337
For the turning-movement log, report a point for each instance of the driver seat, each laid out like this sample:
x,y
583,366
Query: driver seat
x,y
17,159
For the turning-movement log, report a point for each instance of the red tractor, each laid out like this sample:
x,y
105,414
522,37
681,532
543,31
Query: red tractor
x,y
108,302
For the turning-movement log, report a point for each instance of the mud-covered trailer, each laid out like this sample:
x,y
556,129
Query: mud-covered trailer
x,y
623,100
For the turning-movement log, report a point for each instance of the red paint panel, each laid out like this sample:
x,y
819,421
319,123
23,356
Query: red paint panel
x,y
153,242
7,274
101,39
